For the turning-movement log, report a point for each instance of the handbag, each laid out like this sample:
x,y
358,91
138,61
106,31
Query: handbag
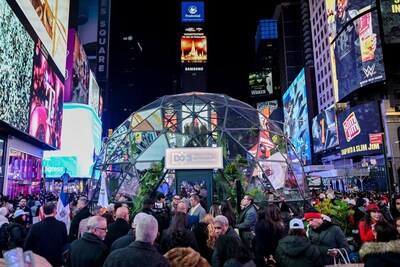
x,y
346,260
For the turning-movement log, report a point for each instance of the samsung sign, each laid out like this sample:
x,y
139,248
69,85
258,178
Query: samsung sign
x,y
192,11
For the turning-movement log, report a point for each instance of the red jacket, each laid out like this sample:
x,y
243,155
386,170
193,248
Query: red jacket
x,y
366,235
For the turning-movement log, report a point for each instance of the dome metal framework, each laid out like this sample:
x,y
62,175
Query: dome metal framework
x,y
199,119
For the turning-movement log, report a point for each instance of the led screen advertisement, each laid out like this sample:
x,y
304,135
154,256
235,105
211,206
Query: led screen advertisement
x,y
356,51
339,12
192,11
16,57
49,20
390,13
261,83
193,46
296,118
324,130
46,109
355,125
81,143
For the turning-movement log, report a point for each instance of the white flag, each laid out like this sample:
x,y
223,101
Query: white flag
x,y
103,197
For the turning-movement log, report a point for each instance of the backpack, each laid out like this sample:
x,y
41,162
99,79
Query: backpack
x,y
4,237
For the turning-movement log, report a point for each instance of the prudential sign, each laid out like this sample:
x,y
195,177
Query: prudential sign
x,y
192,11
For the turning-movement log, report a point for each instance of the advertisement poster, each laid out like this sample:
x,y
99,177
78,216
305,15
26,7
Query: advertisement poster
x,y
356,50
261,83
192,11
15,69
193,45
296,118
47,102
355,126
324,130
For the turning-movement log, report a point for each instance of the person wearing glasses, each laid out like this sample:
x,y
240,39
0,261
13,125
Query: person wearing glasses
x,y
89,250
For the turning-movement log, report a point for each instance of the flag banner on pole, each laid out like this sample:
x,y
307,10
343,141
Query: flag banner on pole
x,y
103,196
42,195
63,210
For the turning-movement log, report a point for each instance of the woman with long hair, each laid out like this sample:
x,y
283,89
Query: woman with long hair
x,y
177,235
227,211
372,216
204,233
270,228
233,253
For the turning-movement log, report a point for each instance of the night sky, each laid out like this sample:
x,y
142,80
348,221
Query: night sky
x,y
156,25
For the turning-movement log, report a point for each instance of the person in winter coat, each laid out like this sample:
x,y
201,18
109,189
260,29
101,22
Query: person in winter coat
x,y
372,216
327,236
295,250
233,253
187,257
17,230
89,250
385,251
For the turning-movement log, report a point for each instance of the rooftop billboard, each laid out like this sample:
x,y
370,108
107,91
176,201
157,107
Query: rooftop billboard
x,y
192,12
193,45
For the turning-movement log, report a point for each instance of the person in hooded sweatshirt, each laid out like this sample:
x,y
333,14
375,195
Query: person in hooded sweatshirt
x,y
385,251
295,250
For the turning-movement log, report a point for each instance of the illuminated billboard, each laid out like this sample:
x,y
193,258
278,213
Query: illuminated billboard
x,y
324,130
49,20
261,83
193,45
295,110
355,126
47,101
390,13
81,143
356,51
192,11
16,59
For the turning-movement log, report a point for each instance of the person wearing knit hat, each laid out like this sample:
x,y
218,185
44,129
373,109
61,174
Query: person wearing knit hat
x,y
312,213
372,216
185,256
328,236
295,250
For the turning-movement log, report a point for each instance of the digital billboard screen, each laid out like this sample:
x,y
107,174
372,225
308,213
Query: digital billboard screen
x,y
355,125
49,20
295,110
192,11
356,54
80,74
46,109
16,57
261,83
390,12
193,45
340,12
324,130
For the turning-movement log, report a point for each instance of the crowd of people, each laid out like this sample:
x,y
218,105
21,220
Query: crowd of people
x,y
185,231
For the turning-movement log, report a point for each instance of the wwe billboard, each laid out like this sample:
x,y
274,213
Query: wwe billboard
x,y
356,51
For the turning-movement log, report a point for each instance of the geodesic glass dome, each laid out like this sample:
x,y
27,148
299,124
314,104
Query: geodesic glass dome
x,y
255,150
